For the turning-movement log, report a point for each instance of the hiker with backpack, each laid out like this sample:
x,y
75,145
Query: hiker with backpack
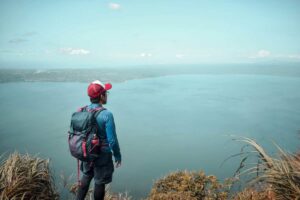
x,y
93,141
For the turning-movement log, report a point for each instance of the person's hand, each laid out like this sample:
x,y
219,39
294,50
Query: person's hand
x,y
118,164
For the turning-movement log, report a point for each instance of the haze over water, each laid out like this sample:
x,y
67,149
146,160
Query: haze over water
x,y
163,124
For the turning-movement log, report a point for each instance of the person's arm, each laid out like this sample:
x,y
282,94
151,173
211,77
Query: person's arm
x,y
112,136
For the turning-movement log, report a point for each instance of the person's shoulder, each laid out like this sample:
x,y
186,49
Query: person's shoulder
x,y
106,114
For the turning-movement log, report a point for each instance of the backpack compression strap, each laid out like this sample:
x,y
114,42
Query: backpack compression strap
x,y
78,173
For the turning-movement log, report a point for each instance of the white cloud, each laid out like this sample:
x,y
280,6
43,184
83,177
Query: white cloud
x,y
179,56
294,56
74,51
144,55
261,54
114,6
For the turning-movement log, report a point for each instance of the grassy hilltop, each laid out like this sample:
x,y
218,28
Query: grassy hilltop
x,y
27,177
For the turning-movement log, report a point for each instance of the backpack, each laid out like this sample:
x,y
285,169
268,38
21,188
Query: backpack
x,y
84,143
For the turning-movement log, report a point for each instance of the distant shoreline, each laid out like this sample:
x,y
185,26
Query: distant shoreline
x,y
124,74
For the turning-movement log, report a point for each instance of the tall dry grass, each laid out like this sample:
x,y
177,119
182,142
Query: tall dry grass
x,y
26,178
23,177
282,174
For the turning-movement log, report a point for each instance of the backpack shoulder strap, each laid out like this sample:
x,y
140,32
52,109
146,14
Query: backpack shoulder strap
x,y
82,109
97,111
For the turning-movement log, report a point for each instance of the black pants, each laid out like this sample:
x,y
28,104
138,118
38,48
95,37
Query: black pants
x,y
99,189
101,170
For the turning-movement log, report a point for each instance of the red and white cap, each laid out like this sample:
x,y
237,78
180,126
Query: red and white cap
x,y
97,87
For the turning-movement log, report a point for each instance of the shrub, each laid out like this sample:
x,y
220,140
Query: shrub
x,y
189,185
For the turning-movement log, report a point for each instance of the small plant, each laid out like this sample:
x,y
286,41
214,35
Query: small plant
x,y
190,185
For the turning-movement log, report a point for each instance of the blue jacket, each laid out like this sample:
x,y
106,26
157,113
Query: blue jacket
x,y
106,125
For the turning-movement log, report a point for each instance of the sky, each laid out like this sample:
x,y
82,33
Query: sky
x,y
98,33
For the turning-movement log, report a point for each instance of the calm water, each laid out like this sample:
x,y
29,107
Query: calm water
x,y
163,124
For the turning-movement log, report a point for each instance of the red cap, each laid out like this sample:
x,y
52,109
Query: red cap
x,y
96,88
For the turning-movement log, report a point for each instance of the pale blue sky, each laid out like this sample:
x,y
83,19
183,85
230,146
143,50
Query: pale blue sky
x,y
97,33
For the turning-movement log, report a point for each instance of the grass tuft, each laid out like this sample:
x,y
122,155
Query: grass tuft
x,y
25,177
282,174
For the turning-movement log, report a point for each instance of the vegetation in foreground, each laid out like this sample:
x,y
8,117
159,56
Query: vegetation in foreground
x,y
282,174
190,185
25,177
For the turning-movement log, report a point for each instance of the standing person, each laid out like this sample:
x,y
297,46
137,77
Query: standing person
x,y
102,168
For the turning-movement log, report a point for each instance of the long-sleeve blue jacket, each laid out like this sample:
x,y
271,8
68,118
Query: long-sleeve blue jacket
x,y
106,125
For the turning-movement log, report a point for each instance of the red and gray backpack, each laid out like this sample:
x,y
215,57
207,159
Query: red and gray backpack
x,y
84,142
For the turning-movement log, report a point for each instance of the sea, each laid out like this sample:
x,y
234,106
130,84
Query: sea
x,y
164,124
